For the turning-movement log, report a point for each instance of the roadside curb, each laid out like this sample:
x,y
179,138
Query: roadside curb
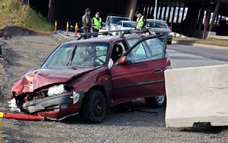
x,y
201,45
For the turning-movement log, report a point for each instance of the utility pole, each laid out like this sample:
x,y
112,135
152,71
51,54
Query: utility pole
x,y
155,9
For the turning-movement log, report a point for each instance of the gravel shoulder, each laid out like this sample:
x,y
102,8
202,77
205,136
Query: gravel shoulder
x,y
131,122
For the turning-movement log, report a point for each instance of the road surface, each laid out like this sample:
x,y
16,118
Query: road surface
x,y
216,53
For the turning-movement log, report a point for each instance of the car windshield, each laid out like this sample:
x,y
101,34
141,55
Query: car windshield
x,y
86,54
115,20
129,24
157,25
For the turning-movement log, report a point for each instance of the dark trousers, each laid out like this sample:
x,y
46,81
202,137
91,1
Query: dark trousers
x,y
95,30
86,31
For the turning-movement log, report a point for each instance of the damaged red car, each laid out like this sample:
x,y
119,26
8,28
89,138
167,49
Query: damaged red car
x,y
88,76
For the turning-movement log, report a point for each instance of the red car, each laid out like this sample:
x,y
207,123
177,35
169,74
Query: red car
x,y
88,76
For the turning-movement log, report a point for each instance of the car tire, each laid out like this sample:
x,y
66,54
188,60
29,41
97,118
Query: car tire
x,y
170,42
157,102
94,107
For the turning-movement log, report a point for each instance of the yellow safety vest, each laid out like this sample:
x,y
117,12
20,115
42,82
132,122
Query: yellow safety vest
x,y
97,23
140,22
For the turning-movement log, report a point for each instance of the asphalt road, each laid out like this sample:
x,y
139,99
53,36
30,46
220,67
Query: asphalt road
x,y
183,60
190,56
220,54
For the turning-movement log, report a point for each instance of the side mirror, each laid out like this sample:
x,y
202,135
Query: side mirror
x,y
122,60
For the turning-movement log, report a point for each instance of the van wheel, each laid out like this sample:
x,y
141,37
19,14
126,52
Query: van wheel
x,y
94,107
157,101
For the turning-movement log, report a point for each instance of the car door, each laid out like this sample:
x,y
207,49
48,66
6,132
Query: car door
x,y
143,74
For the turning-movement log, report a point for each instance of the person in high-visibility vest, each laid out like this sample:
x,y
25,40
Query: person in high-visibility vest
x,y
97,23
141,20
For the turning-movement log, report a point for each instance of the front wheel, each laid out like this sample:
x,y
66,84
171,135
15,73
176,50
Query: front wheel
x,y
157,101
94,107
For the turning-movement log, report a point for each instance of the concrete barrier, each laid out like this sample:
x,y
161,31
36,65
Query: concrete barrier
x,y
197,95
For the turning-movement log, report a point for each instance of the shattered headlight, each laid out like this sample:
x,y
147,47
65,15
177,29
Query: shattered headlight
x,y
55,90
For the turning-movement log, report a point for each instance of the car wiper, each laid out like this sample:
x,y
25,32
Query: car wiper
x,y
72,56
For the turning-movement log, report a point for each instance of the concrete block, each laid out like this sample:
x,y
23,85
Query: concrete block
x,y
197,95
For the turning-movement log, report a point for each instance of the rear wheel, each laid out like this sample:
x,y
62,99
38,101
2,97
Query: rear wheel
x,y
157,101
94,107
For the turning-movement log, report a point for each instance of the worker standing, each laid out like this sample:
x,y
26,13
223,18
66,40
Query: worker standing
x,y
86,22
97,23
141,20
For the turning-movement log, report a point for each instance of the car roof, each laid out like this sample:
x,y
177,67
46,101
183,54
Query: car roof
x,y
128,21
105,39
155,20
119,17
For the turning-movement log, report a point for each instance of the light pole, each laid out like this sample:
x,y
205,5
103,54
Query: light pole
x,y
155,9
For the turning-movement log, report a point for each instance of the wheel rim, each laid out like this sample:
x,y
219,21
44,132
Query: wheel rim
x,y
98,107
160,99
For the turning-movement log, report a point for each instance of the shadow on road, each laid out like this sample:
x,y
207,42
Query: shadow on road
x,y
135,113
207,128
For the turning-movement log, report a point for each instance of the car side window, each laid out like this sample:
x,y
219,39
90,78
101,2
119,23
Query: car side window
x,y
131,42
151,49
118,50
156,48
126,25
139,54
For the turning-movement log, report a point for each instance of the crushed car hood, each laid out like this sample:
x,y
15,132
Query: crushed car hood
x,y
43,77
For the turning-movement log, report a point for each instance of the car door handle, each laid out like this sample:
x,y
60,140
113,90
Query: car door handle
x,y
158,70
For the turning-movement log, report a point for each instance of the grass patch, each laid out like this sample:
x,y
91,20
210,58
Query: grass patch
x,y
215,42
14,13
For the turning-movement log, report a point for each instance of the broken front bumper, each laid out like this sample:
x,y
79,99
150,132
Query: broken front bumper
x,y
55,107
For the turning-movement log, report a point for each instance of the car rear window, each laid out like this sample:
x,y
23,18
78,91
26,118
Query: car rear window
x,y
157,25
